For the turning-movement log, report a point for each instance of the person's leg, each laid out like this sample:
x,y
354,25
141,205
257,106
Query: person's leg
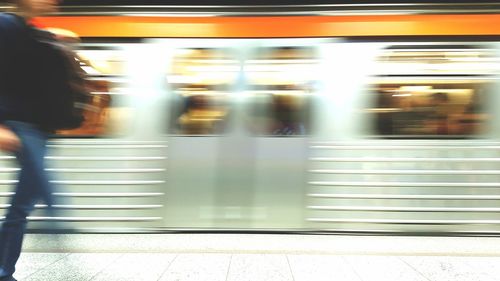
x,y
33,184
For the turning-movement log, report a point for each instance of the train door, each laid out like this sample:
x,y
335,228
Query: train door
x,y
281,83
200,79
236,119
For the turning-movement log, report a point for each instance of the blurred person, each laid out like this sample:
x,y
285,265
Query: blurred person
x,y
20,131
287,110
404,118
197,118
202,116
384,121
473,118
439,118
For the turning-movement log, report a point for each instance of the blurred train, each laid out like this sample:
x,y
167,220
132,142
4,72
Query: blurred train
x,y
316,118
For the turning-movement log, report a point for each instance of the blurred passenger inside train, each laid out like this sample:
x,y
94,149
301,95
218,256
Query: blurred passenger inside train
x,y
287,116
473,119
384,114
429,112
409,115
204,115
439,119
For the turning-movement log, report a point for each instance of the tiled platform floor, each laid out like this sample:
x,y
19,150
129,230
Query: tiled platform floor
x,y
236,257
253,267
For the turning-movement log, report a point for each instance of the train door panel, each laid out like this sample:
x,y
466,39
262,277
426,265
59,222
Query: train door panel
x,y
201,81
239,117
281,83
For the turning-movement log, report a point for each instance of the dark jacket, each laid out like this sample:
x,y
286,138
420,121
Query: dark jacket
x,y
19,98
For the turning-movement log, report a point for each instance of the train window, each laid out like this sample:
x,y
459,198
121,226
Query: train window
x,y
433,90
201,80
431,108
102,111
281,82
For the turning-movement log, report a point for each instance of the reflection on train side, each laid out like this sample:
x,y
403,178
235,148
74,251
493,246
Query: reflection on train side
x,y
104,116
431,108
281,83
201,79
433,91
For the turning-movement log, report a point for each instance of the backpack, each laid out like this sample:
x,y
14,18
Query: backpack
x,y
44,84
61,82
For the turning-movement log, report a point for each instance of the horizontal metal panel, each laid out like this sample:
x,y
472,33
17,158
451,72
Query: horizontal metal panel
x,y
94,182
402,147
395,231
406,142
7,157
106,170
402,159
402,209
124,207
105,158
92,207
94,219
106,146
8,182
9,170
108,182
406,172
406,184
405,197
393,221
113,142
6,194
107,194
368,230
92,170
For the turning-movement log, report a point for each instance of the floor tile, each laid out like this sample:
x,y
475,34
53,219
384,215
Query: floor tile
x,y
253,267
442,268
79,267
198,267
321,268
30,263
136,267
487,265
383,268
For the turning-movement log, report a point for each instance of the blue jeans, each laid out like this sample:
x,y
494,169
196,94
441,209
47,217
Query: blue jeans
x,y
33,185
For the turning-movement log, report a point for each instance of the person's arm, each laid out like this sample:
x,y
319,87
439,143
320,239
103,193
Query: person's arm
x,y
4,29
8,139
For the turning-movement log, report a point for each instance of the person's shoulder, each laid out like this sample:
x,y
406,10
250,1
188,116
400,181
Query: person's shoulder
x,y
10,22
8,18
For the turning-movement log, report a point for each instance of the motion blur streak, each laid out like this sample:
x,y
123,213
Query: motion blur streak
x,y
360,123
